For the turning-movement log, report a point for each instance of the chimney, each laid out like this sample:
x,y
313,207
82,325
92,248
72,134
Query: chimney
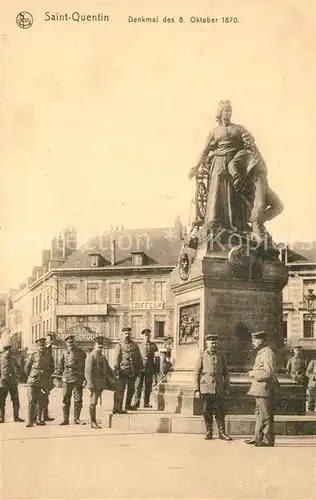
x,y
45,259
113,252
70,242
178,226
57,248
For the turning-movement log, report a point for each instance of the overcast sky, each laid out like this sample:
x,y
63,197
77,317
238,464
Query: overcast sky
x,y
101,123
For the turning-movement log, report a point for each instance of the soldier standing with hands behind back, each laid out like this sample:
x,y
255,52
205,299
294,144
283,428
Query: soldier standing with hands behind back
x,y
127,366
296,366
100,377
9,381
71,368
148,371
38,369
263,388
212,385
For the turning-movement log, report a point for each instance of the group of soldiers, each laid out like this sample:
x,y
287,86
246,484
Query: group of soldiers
x,y
135,368
212,383
304,373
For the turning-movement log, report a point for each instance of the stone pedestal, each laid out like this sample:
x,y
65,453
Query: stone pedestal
x,y
212,298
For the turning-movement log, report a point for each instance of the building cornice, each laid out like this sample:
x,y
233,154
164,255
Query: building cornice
x,y
101,271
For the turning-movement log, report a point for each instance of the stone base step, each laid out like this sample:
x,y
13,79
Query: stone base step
x,y
236,425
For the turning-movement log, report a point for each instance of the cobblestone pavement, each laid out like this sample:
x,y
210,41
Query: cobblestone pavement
x,y
74,462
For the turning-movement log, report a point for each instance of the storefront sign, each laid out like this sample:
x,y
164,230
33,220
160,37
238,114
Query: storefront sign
x,y
79,336
147,305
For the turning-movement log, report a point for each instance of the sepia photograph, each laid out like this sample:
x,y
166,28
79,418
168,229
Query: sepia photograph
x,y
158,250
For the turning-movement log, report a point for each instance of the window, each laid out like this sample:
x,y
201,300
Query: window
x,y
70,293
44,327
94,260
115,293
308,328
33,335
40,303
159,327
61,324
92,290
137,325
48,299
159,291
137,259
44,301
36,304
137,292
33,306
114,326
284,329
50,324
39,330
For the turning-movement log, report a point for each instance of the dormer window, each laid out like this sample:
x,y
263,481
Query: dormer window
x,y
94,259
138,258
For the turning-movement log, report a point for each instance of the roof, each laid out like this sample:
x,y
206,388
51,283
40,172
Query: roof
x,y
301,251
161,246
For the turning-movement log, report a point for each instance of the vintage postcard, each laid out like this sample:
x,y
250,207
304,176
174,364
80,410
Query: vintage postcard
x,y
158,249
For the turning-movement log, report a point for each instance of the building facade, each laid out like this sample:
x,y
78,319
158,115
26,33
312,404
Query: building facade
x,y
299,312
117,280
121,279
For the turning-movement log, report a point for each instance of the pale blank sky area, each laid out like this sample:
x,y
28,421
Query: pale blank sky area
x,y
102,122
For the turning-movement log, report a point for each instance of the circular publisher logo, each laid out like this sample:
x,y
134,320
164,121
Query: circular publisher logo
x,y
24,20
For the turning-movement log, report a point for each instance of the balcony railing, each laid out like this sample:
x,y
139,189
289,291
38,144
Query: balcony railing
x,y
82,309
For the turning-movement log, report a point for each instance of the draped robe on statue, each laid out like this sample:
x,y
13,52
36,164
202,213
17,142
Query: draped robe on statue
x,y
229,156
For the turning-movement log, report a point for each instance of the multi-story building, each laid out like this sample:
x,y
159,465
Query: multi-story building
x,y
299,295
116,280
121,279
3,301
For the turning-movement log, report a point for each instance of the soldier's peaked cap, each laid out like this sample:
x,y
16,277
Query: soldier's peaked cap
x,y
6,343
297,346
211,336
259,335
42,340
70,337
127,329
146,331
99,339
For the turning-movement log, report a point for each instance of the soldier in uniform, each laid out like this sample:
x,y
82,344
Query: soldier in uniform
x,y
9,382
127,366
296,366
71,368
148,371
49,352
38,369
263,388
100,376
212,385
311,386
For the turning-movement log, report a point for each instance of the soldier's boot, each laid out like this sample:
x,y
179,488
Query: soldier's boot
x,y
39,417
221,430
2,416
208,420
30,415
93,417
77,411
16,410
46,416
66,410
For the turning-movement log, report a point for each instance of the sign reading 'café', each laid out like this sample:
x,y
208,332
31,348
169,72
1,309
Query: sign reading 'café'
x,y
147,305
